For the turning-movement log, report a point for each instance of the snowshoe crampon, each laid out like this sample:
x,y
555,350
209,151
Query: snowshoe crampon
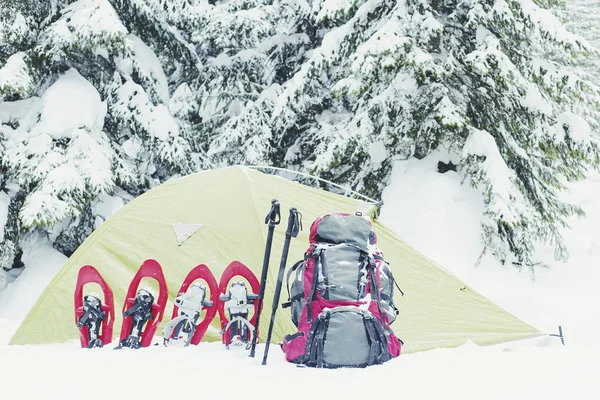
x,y
235,304
184,328
141,315
94,319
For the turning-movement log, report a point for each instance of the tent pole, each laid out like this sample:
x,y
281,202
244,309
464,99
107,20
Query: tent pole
x,y
377,203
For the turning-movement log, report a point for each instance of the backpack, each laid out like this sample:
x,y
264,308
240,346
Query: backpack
x,y
341,298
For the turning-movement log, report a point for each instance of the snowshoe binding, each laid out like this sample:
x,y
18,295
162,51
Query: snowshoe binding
x,y
181,329
92,318
238,303
140,313
236,300
189,302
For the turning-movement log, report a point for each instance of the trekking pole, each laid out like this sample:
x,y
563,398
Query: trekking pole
x,y
293,228
273,218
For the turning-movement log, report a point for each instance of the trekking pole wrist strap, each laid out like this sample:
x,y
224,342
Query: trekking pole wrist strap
x,y
274,216
294,223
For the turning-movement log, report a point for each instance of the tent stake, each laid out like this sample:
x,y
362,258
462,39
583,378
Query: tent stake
x,y
560,335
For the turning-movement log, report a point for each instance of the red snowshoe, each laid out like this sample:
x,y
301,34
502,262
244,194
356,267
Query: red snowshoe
x,y
94,319
184,329
237,330
139,308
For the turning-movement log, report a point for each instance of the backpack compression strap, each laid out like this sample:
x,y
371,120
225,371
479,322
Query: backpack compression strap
x,y
378,353
314,348
317,255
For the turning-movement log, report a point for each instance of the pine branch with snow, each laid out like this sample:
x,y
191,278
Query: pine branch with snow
x,y
16,81
54,159
103,92
338,88
398,80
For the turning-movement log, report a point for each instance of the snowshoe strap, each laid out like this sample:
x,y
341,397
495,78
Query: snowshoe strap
x,y
186,304
91,315
132,342
169,328
95,343
236,319
140,308
93,311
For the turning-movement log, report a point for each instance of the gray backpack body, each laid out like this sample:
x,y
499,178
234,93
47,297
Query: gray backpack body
x,y
341,298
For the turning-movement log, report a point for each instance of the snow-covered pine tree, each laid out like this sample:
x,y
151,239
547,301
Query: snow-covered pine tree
x,y
247,77
165,29
541,141
337,88
18,22
101,120
583,18
394,80
228,60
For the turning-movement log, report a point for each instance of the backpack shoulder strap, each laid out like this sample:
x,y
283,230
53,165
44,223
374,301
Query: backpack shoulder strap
x,y
287,283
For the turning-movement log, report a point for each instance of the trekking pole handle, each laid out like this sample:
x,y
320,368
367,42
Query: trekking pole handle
x,y
274,216
294,223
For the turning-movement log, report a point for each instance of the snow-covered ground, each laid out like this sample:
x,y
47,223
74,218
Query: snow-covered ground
x,y
42,262
209,371
436,215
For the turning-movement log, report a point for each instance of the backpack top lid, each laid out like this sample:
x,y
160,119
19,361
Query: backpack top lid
x,y
339,228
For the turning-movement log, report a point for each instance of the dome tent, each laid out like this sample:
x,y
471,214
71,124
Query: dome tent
x,y
215,217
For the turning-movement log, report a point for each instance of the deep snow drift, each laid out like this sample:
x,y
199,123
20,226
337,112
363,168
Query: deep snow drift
x,y
438,216
433,213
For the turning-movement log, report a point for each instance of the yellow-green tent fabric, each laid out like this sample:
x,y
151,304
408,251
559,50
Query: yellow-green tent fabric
x,y
225,210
